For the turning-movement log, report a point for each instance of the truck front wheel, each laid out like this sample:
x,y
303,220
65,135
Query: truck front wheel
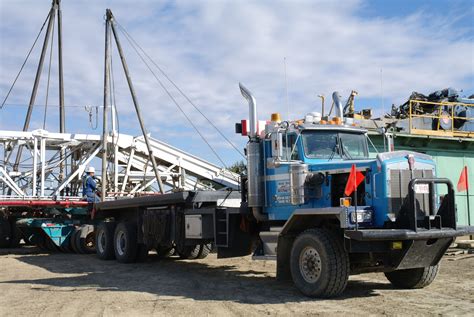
x,y
319,264
413,278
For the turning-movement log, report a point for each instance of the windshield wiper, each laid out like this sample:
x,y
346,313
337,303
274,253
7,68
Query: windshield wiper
x,y
345,152
334,150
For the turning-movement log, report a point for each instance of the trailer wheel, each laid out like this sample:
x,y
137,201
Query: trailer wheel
x,y
5,233
50,245
413,278
15,234
72,241
319,264
85,244
78,241
125,242
104,239
38,238
66,248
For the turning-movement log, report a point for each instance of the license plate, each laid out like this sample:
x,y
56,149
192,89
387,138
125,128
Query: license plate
x,y
422,189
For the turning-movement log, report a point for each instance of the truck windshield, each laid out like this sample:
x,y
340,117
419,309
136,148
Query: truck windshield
x,y
332,144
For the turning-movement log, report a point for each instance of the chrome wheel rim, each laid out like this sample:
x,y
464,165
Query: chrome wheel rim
x,y
310,264
121,243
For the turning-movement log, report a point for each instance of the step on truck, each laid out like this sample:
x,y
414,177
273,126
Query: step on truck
x,y
292,207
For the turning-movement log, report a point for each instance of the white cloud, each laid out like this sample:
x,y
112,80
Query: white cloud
x,y
209,46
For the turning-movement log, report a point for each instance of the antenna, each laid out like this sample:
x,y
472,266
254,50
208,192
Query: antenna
x,y
286,90
381,93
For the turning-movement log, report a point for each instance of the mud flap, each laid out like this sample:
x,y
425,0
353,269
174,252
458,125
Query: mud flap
x,y
285,243
420,253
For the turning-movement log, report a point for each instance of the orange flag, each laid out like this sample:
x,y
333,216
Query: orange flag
x,y
355,178
463,183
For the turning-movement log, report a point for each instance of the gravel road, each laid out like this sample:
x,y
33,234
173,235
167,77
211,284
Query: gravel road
x,y
38,284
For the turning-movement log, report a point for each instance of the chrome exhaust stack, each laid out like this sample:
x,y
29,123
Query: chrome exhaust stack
x,y
336,97
255,187
252,110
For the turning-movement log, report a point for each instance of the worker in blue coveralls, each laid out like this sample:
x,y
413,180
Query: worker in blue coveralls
x,y
89,186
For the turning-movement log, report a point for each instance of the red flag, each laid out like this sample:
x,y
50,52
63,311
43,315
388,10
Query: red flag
x,y
463,183
355,178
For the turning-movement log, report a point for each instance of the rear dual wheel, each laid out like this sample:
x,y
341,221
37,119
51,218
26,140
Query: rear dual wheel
x,y
199,251
126,246
104,238
119,241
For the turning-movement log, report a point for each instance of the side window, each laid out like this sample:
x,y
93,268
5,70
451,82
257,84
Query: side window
x,y
288,145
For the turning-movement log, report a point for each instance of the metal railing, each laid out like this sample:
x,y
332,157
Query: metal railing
x,y
445,118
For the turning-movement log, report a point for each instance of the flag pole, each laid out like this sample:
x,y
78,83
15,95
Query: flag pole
x,y
355,197
468,210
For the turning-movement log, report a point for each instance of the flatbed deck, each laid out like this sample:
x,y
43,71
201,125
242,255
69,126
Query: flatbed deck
x,y
184,197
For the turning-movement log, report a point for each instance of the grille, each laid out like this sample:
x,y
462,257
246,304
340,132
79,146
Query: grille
x,y
399,180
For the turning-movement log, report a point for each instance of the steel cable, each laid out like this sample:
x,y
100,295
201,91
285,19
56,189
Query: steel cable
x,y
26,60
175,102
179,89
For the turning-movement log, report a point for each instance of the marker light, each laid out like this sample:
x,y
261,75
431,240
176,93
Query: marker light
x,y
397,245
345,201
276,117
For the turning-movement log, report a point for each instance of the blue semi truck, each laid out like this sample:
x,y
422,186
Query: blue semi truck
x,y
292,208
292,205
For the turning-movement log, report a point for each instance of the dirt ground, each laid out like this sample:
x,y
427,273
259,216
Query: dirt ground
x,y
35,283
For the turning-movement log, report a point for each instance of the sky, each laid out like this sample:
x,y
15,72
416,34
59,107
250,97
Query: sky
x,y
385,50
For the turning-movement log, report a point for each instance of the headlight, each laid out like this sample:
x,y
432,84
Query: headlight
x,y
362,216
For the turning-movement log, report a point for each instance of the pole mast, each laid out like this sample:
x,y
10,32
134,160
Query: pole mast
x,y
52,13
62,120
135,102
105,112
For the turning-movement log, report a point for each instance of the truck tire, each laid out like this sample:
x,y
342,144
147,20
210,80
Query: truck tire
x,y
37,238
413,278
50,245
15,234
72,241
85,239
104,240
5,233
204,251
78,242
319,264
65,248
165,252
125,242
189,252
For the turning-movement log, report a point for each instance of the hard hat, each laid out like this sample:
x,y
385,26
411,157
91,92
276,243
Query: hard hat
x,y
91,169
